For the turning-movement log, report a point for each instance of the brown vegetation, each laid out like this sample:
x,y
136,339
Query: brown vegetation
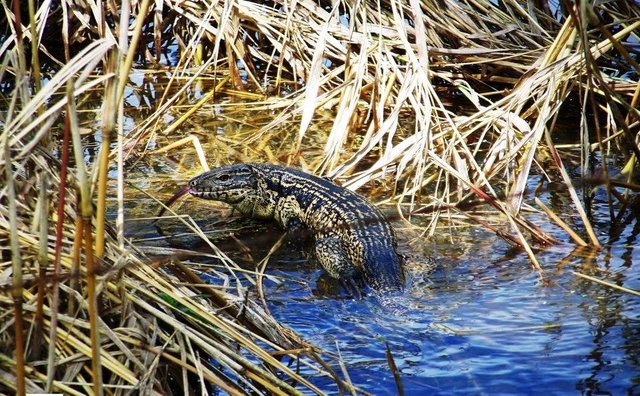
x,y
82,311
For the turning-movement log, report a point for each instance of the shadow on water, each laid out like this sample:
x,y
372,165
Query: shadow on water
x,y
475,319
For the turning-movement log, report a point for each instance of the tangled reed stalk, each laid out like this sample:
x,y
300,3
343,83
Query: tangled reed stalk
x,y
84,312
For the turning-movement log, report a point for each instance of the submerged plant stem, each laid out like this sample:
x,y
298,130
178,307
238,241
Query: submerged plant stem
x,y
608,284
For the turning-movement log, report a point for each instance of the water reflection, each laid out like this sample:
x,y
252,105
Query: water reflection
x,y
483,327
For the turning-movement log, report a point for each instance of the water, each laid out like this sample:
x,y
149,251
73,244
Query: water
x,y
476,319
487,324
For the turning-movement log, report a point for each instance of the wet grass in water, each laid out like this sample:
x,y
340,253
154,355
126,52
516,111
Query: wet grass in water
x,y
255,82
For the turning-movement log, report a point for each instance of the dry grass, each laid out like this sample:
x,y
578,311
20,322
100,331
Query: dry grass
x,y
386,70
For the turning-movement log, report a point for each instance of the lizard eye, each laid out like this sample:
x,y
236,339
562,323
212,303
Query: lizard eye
x,y
224,177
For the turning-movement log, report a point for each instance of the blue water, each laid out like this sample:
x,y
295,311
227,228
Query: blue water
x,y
484,322
485,325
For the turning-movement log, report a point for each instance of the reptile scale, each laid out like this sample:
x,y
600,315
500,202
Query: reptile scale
x,y
353,241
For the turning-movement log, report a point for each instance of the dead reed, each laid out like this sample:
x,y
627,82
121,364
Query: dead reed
x,y
83,311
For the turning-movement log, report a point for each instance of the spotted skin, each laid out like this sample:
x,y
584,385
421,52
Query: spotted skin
x,y
353,240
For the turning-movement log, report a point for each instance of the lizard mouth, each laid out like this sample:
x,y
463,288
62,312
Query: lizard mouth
x,y
183,191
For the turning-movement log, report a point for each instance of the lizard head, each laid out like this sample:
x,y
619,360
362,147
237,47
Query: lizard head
x,y
232,184
236,185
